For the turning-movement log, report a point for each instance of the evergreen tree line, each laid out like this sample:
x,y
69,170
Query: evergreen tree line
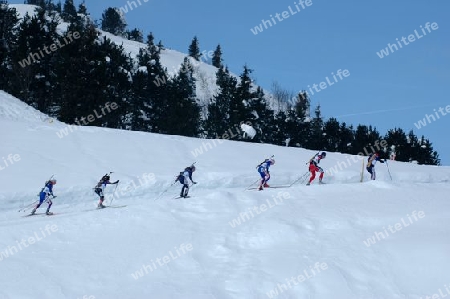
x,y
86,73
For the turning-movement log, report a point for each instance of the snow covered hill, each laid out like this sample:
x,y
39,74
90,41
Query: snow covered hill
x,y
346,239
205,74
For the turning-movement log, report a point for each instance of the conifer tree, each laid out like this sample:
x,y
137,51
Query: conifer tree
x,y
135,35
240,106
301,111
194,49
396,137
57,7
280,136
292,125
139,102
346,138
82,9
317,141
262,118
114,77
332,135
183,114
40,3
113,22
151,42
425,153
219,112
8,36
80,92
217,57
69,12
302,106
33,62
361,143
150,87
160,45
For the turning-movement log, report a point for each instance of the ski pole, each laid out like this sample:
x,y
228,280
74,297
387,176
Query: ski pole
x,y
159,196
252,184
27,207
47,198
302,178
388,169
110,203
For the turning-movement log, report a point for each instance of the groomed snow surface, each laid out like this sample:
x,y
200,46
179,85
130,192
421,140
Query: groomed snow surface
x,y
345,239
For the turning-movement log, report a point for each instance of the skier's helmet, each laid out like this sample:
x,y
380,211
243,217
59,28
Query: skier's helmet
x,y
272,161
106,178
53,181
190,168
323,155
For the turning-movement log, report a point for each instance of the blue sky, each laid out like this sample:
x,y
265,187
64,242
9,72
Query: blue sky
x,y
309,45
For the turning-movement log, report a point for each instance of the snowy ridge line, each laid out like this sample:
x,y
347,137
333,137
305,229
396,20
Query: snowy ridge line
x,y
205,74
13,109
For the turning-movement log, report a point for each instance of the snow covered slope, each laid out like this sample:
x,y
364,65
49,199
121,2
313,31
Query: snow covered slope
x,y
345,239
205,74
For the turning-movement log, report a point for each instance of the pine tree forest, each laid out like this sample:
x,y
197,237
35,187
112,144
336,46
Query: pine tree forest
x,y
91,72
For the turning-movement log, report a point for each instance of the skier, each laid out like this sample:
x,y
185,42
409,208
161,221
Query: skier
x,y
101,185
263,170
183,179
44,195
371,161
314,167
